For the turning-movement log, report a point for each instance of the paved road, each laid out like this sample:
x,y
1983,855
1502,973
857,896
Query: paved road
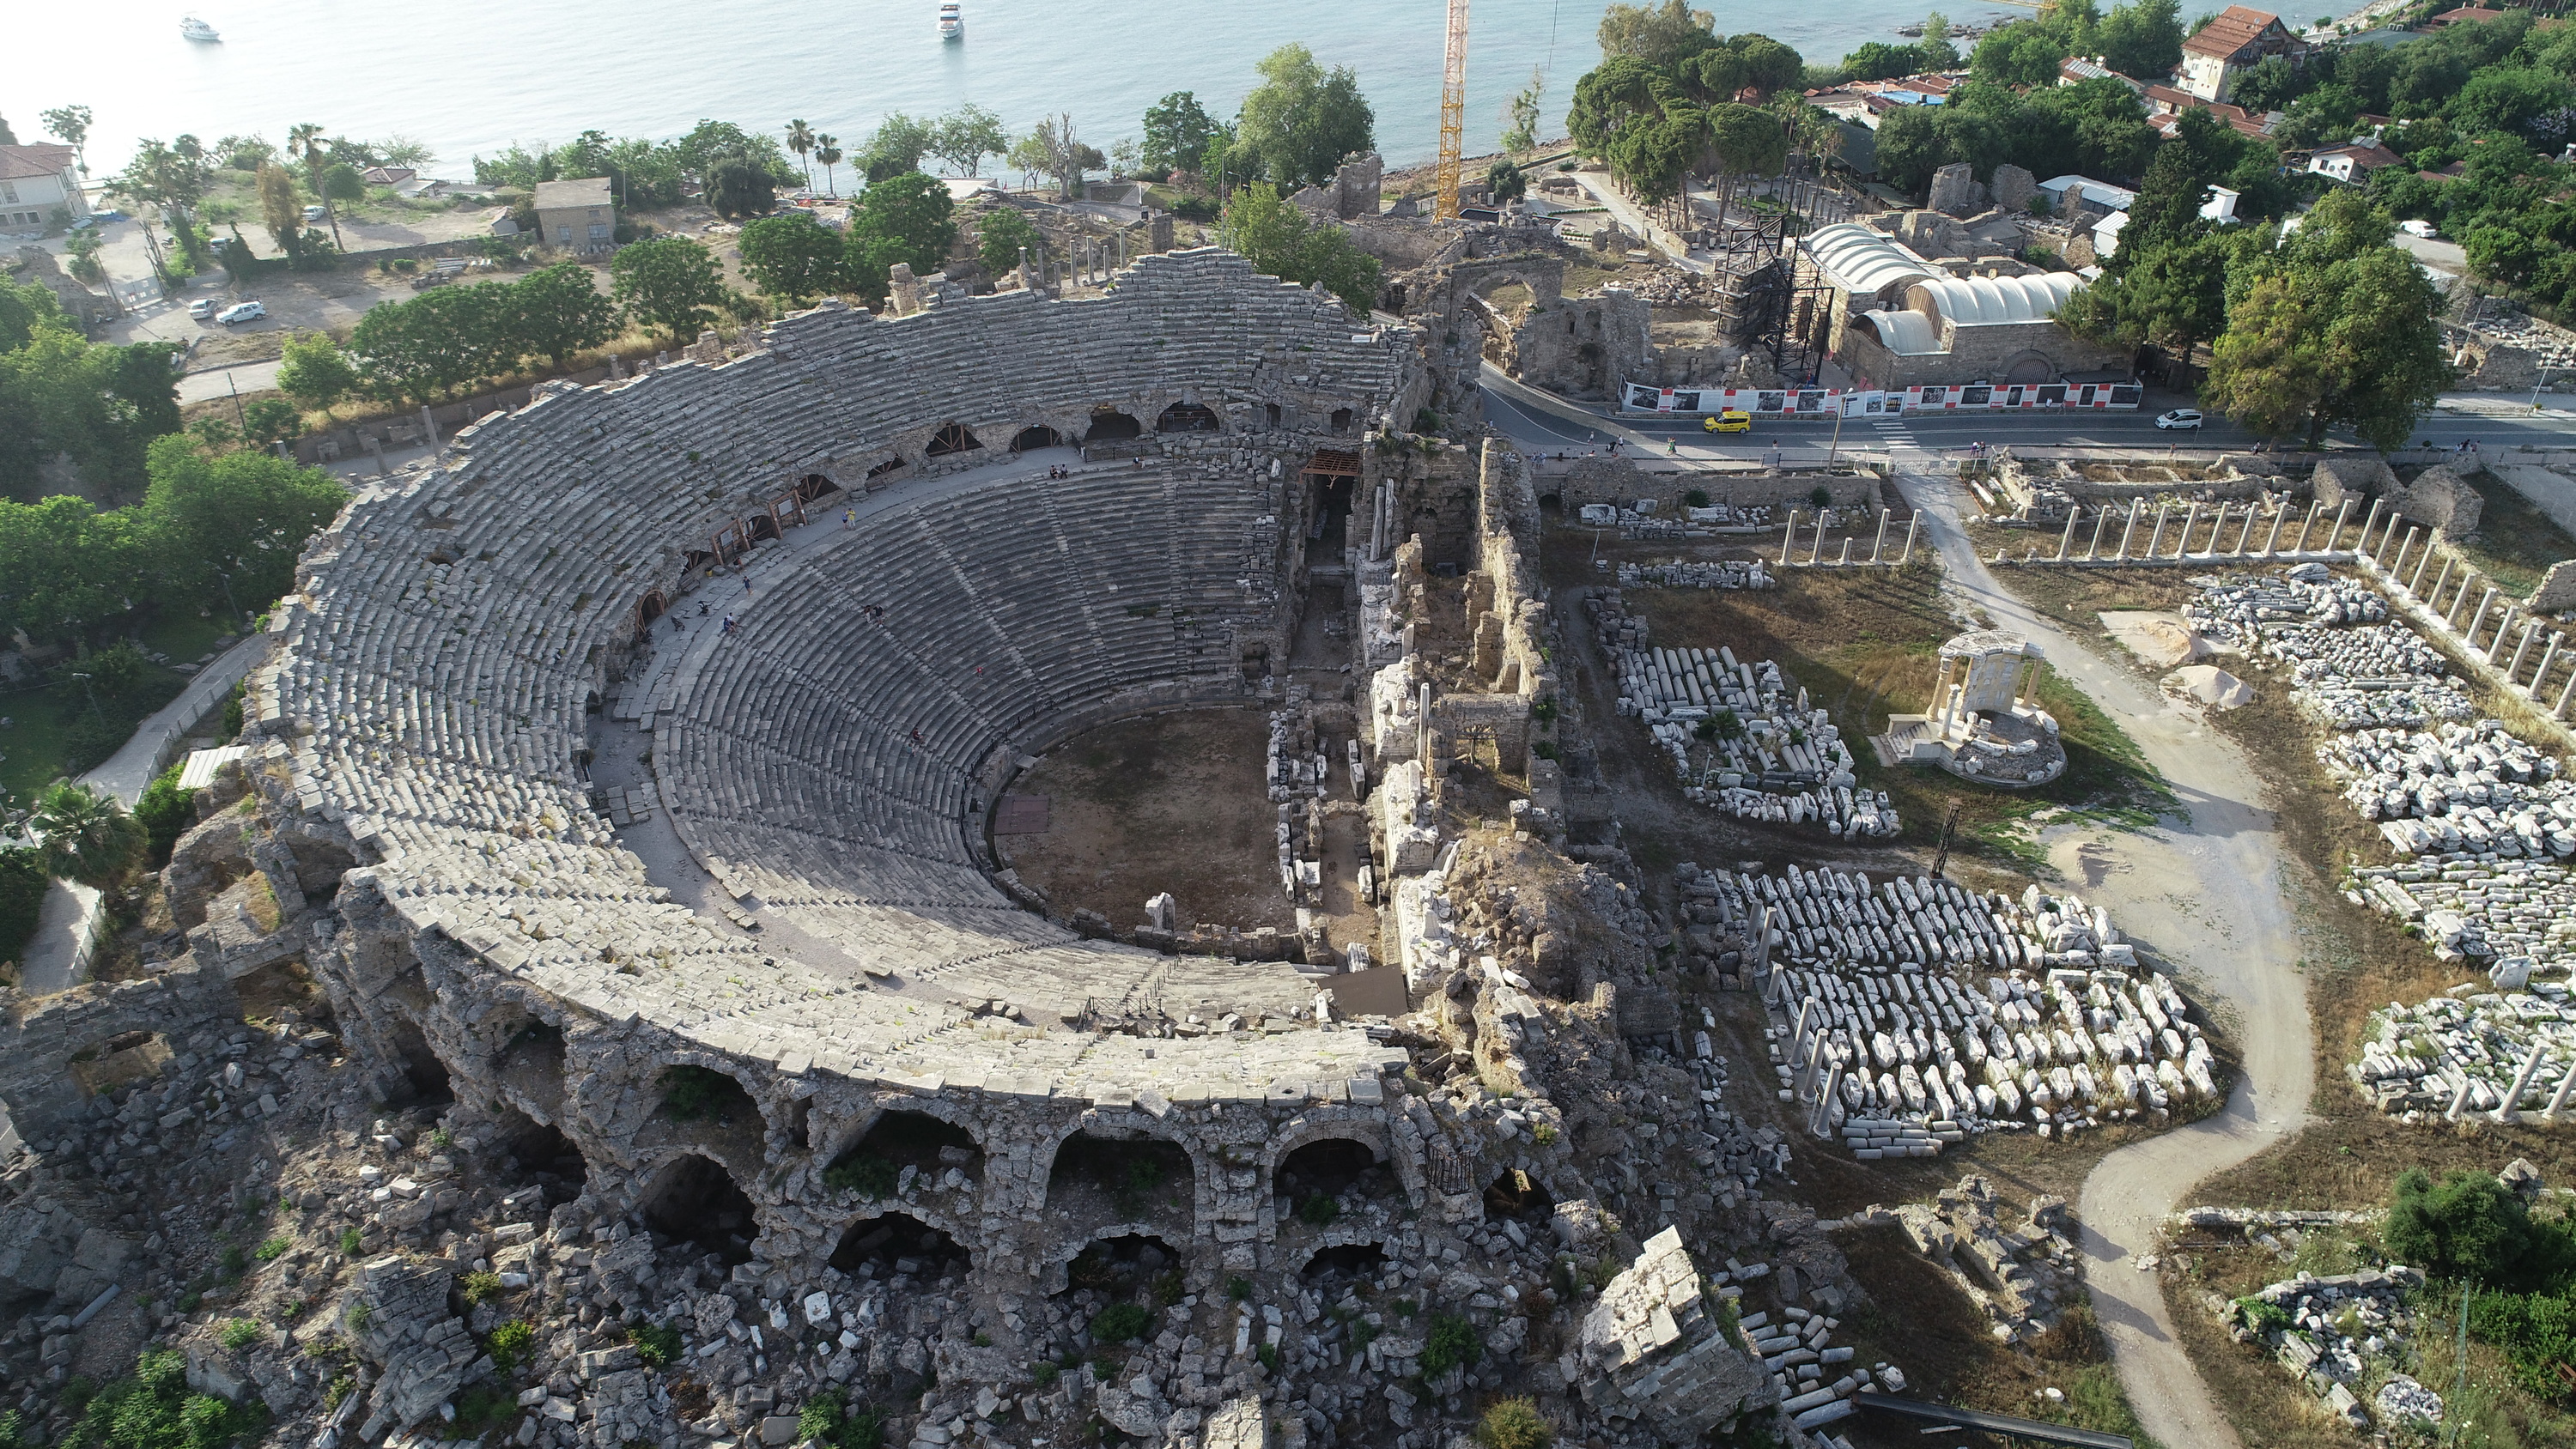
x,y
215,382
2205,894
1543,423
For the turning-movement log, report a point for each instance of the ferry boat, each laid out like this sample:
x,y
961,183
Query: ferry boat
x,y
195,29
952,21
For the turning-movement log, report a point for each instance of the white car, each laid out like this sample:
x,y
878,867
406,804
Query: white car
x,y
2180,418
315,213
2423,229
202,308
242,312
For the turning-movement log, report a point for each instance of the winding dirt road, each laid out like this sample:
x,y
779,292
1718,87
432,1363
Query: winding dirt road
x,y
2206,894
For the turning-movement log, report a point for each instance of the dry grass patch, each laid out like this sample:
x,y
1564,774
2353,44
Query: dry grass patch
x,y
2515,542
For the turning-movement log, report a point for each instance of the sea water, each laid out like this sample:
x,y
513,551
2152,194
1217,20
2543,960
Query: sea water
x,y
475,76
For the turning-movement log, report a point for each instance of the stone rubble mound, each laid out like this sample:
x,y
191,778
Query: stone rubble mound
x,y
2209,685
2486,1052
2331,1331
2352,668
1889,1032
1722,574
2459,787
2022,1277
1779,761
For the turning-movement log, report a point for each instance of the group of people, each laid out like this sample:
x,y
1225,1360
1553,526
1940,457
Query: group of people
x,y
1058,470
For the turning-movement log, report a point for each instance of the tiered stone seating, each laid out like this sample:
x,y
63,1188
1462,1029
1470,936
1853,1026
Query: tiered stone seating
x,y
434,688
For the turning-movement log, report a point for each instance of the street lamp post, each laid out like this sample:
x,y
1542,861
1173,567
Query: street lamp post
x,y
2537,385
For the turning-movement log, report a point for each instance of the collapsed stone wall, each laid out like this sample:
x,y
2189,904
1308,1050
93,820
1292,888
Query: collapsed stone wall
x,y
1574,482
2440,497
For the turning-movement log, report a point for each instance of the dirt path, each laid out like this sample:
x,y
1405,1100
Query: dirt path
x,y
2206,895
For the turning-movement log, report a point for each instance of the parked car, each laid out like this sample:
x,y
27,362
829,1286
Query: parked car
x,y
1729,421
242,312
315,213
2424,229
2180,418
202,308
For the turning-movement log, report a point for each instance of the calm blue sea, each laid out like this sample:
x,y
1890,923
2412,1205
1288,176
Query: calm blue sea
x,y
471,76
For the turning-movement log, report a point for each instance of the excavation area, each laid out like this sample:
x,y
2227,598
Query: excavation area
x,y
1169,803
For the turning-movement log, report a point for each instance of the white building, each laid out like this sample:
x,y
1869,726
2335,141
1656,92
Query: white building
x,y
36,183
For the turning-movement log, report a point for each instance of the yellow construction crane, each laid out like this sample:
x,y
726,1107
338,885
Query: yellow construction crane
x,y
1453,112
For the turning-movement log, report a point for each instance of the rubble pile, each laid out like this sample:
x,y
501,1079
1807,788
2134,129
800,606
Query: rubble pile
x,y
2496,792
2023,1278
2353,669
2475,1053
2333,1332
1682,574
1883,1026
1739,741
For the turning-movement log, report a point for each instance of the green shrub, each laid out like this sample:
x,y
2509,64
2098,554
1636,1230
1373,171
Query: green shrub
x,y
22,895
1514,1424
1452,1343
1044,1373
240,1334
864,1173
481,1409
2536,1332
230,1265
166,812
151,1408
657,1344
351,1241
233,710
1168,1288
824,1418
2262,1317
1318,1211
690,1094
1268,1353
1120,1322
1696,498
274,1249
1238,1289
1821,496
2472,1227
478,1286
512,1342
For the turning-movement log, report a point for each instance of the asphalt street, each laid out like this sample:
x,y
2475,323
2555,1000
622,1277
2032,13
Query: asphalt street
x,y
1539,427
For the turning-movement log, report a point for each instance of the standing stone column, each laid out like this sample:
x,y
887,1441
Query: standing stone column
x,y
2066,540
2156,540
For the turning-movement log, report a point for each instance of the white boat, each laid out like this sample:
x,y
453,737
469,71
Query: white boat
x,y
195,29
952,21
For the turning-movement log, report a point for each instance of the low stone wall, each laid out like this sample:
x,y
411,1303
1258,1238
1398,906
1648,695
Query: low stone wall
x,y
40,1040
1574,482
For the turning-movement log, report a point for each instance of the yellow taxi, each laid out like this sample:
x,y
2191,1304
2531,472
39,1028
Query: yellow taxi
x,y
1729,421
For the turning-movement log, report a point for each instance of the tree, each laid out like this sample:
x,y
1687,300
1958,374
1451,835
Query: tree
x,y
304,142
341,182
271,420
827,153
557,311
85,834
1522,112
908,219
281,209
1301,121
1278,239
7,136
1506,181
800,139
62,395
793,257
740,185
2336,327
2143,39
315,372
2473,1228
435,343
1053,150
966,135
711,144
173,178
1877,60
70,125
66,567
1659,37
669,284
1002,236
1177,131
897,147
232,523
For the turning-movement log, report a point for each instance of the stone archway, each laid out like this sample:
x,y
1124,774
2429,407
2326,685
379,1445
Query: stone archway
x,y
1189,417
1109,425
896,1245
694,1199
952,438
1034,436
902,1141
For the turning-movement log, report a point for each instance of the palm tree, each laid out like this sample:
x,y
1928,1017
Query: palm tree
x,y
305,142
827,149
86,834
800,139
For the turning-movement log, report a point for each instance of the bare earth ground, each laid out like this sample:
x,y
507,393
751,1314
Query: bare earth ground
x,y
1171,802
2211,882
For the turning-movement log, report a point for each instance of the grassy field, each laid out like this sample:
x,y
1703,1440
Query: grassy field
x,y
55,730
1865,643
2515,543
